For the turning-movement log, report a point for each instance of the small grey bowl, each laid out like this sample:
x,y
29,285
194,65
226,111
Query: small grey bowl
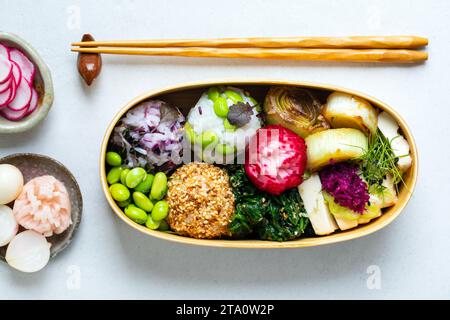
x,y
34,165
42,82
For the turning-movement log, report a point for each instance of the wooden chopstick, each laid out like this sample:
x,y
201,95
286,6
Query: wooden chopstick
x,y
355,42
348,55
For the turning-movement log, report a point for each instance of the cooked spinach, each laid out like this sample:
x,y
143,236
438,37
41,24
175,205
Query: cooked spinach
x,y
262,215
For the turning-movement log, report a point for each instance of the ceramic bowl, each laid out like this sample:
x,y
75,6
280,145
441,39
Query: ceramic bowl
x,y
35,165
186,95
42,82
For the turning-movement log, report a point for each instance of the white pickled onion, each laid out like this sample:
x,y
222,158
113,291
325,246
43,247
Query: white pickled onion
x,y
28,251
8,225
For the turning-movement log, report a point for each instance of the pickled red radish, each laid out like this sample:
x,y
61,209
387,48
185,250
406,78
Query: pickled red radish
x,y
23,96
33,102
26,66
13,115
18,97
6,85
5,69
4,51
5,96
16,73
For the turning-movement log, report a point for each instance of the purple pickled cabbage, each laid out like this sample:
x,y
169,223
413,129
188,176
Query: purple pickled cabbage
x,y
342,181
151,136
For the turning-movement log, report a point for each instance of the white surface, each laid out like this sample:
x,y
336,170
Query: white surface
x,y
116,262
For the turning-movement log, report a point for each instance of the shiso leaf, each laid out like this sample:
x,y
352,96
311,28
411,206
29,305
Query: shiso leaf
x,y
240,114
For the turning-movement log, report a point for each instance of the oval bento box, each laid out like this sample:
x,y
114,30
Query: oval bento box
x,y
184,96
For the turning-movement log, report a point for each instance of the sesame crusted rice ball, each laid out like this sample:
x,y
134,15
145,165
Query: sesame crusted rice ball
x,y
201,201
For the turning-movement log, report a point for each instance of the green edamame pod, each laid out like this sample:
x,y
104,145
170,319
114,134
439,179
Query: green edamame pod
x,y
234,96
113,175
135,176
125,203
160,210
253,102
136,214
152,224
159,186
189,132
208,137
146,184
213,93
113,159
221,107
142,201
123,175
228,126
224,149
163,226
119,192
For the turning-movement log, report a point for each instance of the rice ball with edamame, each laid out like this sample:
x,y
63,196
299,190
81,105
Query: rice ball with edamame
x,y
221,123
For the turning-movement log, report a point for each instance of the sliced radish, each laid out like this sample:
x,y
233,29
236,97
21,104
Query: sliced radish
x,y
27,67
8,225
33,103
28,251
23,96
11,94
16,73
13,115
5,96
6,85
5,69
4,51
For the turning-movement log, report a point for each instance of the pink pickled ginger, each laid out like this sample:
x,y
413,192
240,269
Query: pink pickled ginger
x,y
44,206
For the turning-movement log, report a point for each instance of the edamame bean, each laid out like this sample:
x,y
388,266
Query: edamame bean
x,y
163,226
113,159
234,96
136,214
146,184
221,107
208,137
119,192
135,176
114,175
213,93
123,175
125,203
142,201
224,149
228,126
159,186
189,132
253,102
152,224
160,210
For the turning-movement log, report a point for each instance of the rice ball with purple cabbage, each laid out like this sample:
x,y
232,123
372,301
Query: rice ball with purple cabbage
x,y
150,135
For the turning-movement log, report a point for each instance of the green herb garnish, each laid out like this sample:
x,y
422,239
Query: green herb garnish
x,y
268,217
379,161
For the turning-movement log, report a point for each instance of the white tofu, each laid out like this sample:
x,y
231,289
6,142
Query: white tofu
x,y
311,193
389,197
389,127
345,224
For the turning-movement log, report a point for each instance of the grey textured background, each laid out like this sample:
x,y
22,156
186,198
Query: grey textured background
x,y
116,262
